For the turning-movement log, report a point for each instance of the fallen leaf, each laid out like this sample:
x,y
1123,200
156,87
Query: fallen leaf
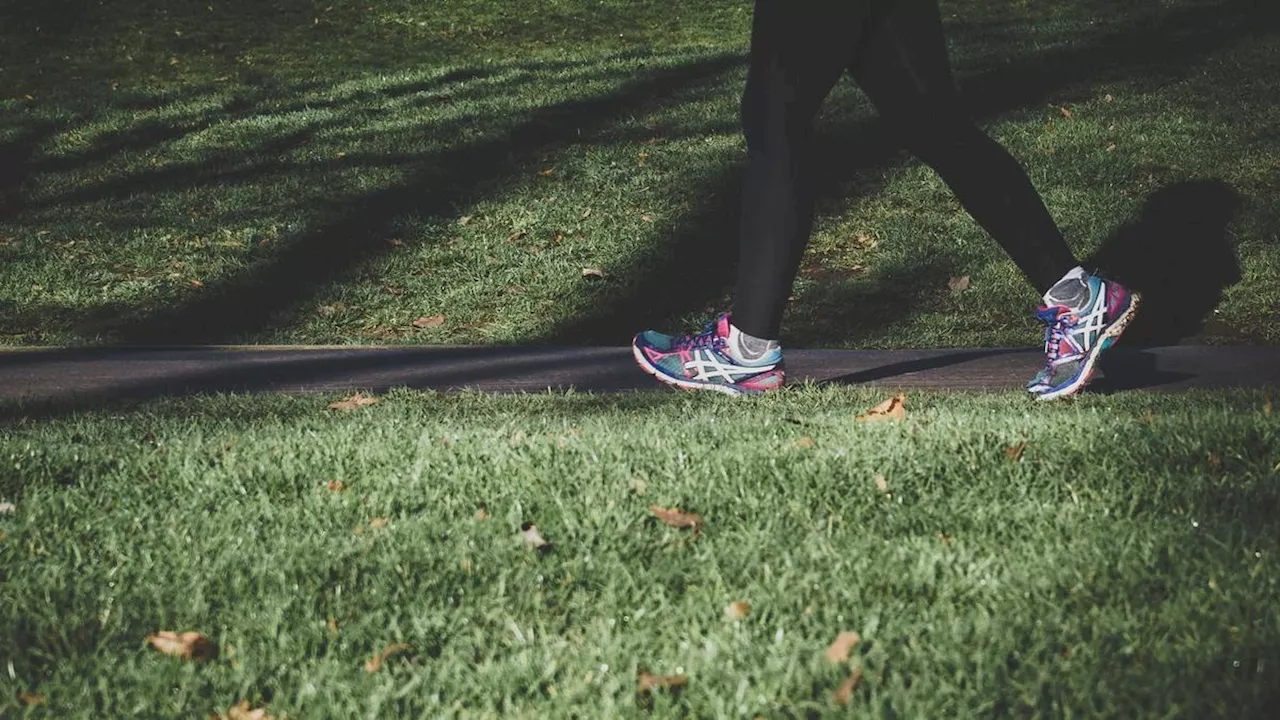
x,y
1215,462
30,699
646,681
945,538
593,272
187,645
464,219
355,401
428,321
1266,405
675,518
839,649
1111,147
8,508
1014,452
547,173
197,284
1107,98
804,441
333,624
737,610
241,711
586,213
482,512
378,522
892,409
335,486
532,537
558,237
647,218
516,235
881,484
333,309
864,241
394,290
959,283
395,242
844,693
374,664
174,61
1066,113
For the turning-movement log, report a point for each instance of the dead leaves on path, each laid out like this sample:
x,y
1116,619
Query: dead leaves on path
x,y
895,408
185,646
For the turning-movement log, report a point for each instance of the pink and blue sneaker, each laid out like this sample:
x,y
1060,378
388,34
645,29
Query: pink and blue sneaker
x,y
708,361
1078,333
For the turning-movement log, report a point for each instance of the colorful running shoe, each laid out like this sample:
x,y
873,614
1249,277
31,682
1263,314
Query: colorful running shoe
x,y
1074,339
702,361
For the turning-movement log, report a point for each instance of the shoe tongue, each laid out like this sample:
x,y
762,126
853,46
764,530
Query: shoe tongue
x,y
1049,313
722,325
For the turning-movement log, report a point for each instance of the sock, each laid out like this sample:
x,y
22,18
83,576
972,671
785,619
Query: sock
x,y
748,348
1072,290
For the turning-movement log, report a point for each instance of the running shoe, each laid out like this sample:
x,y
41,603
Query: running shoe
x,y
703,361
1075,338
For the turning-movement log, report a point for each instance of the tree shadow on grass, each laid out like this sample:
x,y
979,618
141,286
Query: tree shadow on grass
x,y
694,269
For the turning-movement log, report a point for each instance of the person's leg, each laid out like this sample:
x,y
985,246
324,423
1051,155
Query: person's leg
x,y
798,52
904,70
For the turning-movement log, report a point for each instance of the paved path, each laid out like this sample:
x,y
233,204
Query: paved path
x,y
88,374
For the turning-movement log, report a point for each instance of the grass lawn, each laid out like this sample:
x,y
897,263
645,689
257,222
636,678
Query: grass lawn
x,y
330,172
1108,557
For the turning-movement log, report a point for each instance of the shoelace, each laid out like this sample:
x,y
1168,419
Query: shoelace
x,y
1057,331
708,338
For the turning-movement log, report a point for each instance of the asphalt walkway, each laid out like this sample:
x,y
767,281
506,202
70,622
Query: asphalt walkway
x,y
91,374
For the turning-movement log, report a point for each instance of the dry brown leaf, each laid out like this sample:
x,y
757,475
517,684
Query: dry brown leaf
x,y
892,409
428,321
374,664
547,173
593,272
187,645
353,402
881,484
516,235
533,538
839,649
333,624
646,681
482,512
196,284
647,218
242,711
1266,405
1066,113
1111,147
804,441
1015,452
959,283
737,609
464,219
395,242
30,699
844,693
335,486
675,517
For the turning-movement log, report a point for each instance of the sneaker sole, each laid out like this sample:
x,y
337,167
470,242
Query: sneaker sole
x,y
1090,362
723,388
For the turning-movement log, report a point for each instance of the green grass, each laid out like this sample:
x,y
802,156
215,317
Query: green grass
x,y
328,172
1124,566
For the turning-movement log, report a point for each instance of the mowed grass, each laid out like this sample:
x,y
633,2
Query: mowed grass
x,y
1107,557
328,173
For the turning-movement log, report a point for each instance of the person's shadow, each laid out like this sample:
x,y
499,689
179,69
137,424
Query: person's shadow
x,y
1178,256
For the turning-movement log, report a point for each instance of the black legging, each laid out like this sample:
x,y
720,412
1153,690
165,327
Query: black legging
x,y
895,51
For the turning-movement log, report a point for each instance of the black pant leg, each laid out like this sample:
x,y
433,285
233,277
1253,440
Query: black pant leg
x,y
903,68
